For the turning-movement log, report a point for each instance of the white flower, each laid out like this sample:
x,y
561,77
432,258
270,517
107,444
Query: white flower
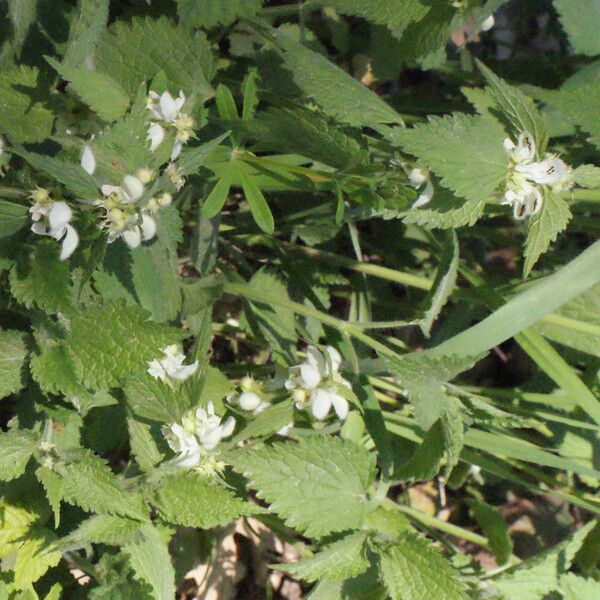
x,y
156,134
184,441
53,219
525,174
318,379
165,107
131,190
88,160
417,178
209,429
175,174
171,366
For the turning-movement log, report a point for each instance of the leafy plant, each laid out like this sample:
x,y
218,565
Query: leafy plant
x,y
323,273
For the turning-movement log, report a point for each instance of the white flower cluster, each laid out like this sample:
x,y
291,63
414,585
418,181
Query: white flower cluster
x,y
197,437
53,219
122,216
526,175
317,383
171,366
166,114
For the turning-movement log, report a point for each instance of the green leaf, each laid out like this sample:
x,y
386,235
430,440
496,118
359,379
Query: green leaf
x,y
155,400
539,575
494,528
188,499
85,31
574,103
211,13
143,445
225,103
258,205
544,228
519,109
127,343
338,94
13,217
218,196
250,93
314,136
579,588
22,14
581,20
341,560
587,176
53,486
135,51
98,90
330,478
23,115
15,522
413,569
16,448
191,160
426,461
444,284
90,484
35,557
149,557
465,151
103,529
72,175
12,360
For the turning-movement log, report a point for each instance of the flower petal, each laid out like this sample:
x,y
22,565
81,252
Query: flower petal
x,y
70,242
88,160
227,427
321,401
156,134
311,377
133,187
148,227
340,405
249,401
183,372
335,357
156,369
425,196
60,214
315,357
107,189
168,107
177,146
132,237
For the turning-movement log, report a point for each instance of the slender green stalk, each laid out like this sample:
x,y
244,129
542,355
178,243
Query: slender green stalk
x,y
584,195
438,524
12,192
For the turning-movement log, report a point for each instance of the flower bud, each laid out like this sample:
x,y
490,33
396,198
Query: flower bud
x,y
246,383
249,401
145,175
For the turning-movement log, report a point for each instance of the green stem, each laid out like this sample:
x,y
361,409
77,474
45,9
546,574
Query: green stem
x,y
438,524
582,194
11,192
288,10
344,327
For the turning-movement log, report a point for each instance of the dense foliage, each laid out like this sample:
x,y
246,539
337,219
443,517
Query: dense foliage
x,y
297,266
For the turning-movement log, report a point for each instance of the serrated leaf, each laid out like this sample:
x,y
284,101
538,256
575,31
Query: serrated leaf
x,y
127,343
35,557
341,560
74,178
13,217
15,522
191,160
85,31
143,445
149,557
314,137
210,13
155,400
426,461
574,102
98,90
53,486
581,20
40,279
135,51
465,151
579,588
494,528
587,176
187,499
102,529
444,284
16,448
90,484
519,109
23,114
12,360
539,575
413,569
338,94
544,228
330,478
